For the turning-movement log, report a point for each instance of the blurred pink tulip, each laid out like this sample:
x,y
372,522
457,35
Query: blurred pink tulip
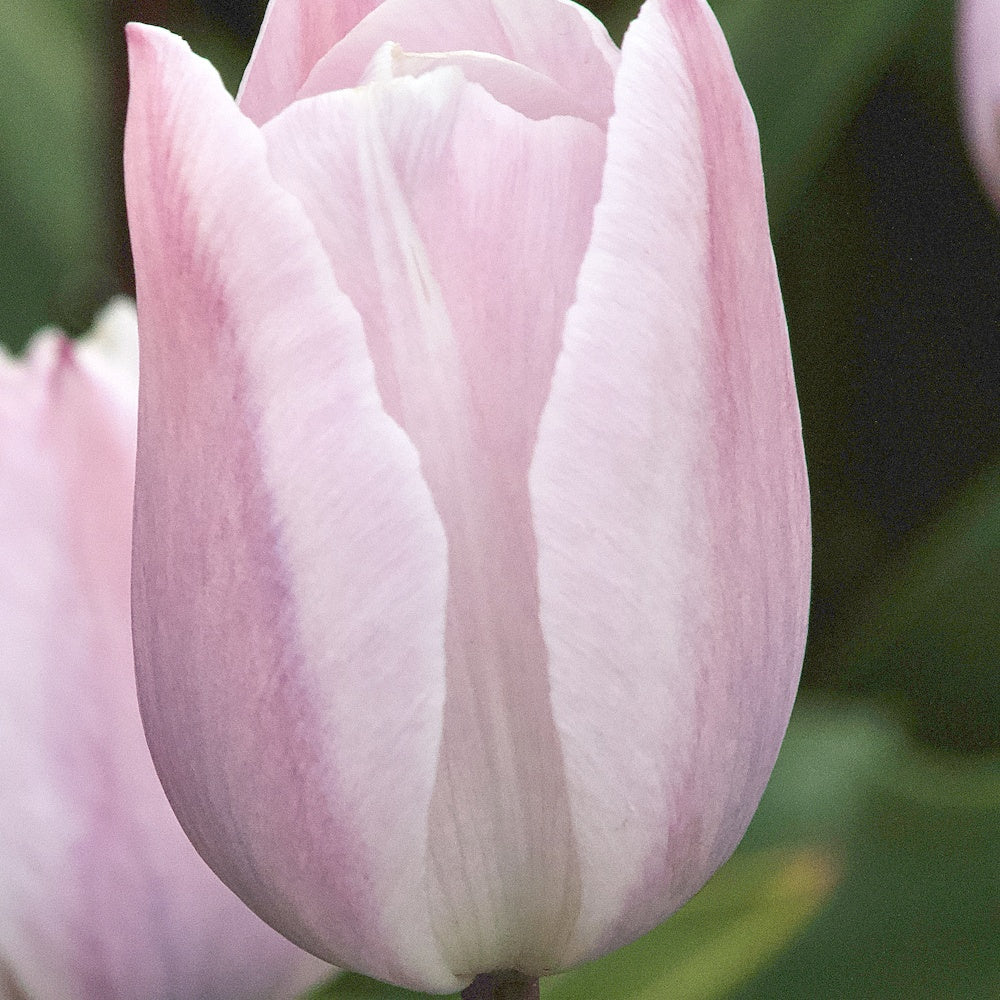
x,y
101,895
471,559
977,38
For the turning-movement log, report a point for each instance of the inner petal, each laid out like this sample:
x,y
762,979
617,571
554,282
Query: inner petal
x,y
457,227
526,90
558,40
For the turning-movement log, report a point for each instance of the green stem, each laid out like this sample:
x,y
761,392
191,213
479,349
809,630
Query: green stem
x,y
502,986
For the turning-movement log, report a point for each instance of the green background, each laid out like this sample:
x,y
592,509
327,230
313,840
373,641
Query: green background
x,y
873,867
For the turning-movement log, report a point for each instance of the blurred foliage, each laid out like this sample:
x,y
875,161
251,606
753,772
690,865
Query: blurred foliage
x,y
746,914
806,68
889,258
915,914
53,235
938,616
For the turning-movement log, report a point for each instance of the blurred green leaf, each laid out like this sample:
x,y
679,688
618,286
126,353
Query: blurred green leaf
x,y
831,760
50,161
745,914
751,908
939,619
916,914
806,68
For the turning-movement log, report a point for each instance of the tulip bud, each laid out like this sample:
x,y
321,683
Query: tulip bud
x,y
101,895
471,559
978,62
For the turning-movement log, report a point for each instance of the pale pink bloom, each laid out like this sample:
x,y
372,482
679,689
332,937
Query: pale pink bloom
x,y
977,35
101,895
471,560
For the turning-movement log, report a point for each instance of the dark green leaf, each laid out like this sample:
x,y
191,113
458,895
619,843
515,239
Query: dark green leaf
x,y
50,162
939,618
806,68
916,913
747,913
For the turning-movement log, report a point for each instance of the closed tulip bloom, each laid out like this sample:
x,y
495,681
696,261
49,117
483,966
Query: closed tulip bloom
x,y
101,895
471,560
978,60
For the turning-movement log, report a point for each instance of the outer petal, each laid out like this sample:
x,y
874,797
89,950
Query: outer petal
x,y
289,576
101,895
669,491
978,59
457,226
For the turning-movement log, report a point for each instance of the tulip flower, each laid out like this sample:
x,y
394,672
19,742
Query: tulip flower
x,y
471,553
101,895
978,60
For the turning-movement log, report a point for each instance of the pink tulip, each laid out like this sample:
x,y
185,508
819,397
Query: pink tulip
x,y
471,558
978,59
101,895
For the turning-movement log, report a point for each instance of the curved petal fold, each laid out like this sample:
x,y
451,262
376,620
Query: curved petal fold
x,y
556,39
309,47
669,491
293,37
525,90
318,609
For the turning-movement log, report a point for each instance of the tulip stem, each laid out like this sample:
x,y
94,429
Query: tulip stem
x,y
501,986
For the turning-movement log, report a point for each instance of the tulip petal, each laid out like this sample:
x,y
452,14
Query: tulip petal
x,y
101,895
65,502
556,39
525,90
669,491
457,227
289,576
292,38
977,33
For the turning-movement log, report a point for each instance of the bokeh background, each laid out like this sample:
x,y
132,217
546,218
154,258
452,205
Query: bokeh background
x,y
873,867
